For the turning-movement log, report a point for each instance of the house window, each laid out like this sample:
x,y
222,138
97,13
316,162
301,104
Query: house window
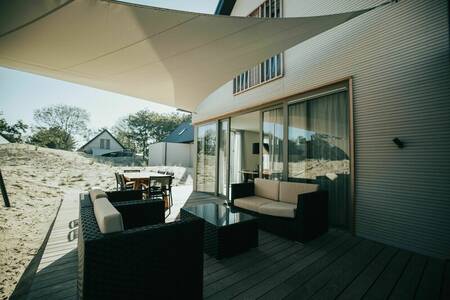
x,y
269,69
105,144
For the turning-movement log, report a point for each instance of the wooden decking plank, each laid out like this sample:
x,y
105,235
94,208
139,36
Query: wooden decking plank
x,y
430,284
253,258
445,287
408,283
296,278
346,275
387,280
359,253
265,285
362,283
215,265
263,251
239,282
52,291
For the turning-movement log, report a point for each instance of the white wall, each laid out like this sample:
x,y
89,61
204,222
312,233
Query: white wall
x,y
171,154
179,154
94,146
398,57
156,154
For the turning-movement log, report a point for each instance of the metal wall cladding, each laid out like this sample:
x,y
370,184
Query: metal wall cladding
x,y
398,56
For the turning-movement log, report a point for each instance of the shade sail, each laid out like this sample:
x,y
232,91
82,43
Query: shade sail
x,y
171,57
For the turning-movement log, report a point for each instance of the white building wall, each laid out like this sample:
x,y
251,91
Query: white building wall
x,y
398,57
179,155
171,154
156,154
94,146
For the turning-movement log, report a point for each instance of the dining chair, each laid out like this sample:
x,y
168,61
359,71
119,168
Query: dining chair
x,y
131,171
161,186
126,185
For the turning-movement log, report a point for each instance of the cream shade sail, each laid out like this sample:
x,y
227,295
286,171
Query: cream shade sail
x,y
171,57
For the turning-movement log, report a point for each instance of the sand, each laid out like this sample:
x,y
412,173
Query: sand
x,y
36,179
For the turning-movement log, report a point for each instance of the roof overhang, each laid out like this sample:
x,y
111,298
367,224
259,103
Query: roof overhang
x,y
172,57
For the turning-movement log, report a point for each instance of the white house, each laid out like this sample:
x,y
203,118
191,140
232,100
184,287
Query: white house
x,y
176,149
101,144
361,109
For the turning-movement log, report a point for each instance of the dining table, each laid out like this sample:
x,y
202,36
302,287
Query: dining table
x,y
140,178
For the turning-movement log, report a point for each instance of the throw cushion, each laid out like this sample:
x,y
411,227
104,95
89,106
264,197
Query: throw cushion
x,y
96,193
251,203
289,191
278,209
267,188
108,217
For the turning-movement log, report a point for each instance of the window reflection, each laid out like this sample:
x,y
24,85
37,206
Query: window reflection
x,y
272,156
206,157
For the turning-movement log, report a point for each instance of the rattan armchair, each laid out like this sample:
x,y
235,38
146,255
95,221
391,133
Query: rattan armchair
x,y
147,260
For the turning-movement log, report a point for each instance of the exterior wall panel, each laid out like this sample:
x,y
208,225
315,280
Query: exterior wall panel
x,y
398,57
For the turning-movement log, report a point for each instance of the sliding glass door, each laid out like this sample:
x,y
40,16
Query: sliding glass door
x,y
319,149
272,146
222,178
206,158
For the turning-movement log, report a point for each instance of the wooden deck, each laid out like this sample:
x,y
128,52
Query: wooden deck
x,y
334,266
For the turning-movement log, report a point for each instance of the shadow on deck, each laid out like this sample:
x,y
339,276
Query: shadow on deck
x,y
336,265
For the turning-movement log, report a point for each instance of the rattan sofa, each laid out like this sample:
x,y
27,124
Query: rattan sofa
x,y
297,211
145,259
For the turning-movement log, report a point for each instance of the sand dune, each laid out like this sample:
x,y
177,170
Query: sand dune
x,y
35,180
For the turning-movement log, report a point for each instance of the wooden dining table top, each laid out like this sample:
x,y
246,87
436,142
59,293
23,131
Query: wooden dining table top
x,y
141,175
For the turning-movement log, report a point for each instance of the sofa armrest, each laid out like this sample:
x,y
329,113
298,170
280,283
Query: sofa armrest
x,y
141,212
312,208
120,196
137,263
241,190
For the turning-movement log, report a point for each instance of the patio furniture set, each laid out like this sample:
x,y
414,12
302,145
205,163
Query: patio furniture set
x,y
126,250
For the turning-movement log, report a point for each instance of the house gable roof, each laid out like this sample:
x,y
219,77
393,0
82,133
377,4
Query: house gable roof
x,y
184,133
104,130
3,140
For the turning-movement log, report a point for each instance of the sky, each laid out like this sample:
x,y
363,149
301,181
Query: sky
x,y
21,93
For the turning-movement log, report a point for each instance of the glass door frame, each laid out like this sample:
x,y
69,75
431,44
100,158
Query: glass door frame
x,y
227,154
333,87
282,106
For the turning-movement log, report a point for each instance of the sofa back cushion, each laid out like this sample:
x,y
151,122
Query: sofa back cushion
x,y
289,191
96,193
267,188
108,217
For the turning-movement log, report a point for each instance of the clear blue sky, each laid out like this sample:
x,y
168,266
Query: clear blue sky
x,y
21,93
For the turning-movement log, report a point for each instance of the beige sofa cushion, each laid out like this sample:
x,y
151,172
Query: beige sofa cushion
x,y
289,191
267,188
251,203
108,217
278,209
96,193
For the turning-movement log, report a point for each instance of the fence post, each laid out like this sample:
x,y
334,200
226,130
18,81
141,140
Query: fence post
x,y
3,188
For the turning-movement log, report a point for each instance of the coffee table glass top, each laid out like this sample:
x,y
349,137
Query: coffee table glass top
x,y
219,215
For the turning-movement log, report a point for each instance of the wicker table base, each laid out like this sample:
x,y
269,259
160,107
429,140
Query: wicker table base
x,y
222,237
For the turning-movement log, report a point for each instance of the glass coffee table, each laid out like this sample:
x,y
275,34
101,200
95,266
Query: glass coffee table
x,y
227,232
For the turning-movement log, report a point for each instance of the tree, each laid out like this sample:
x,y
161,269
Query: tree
x,y
138,130
70,119
53,137
13,132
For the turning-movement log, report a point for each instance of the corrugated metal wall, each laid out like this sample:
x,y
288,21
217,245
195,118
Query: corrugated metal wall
x,y
398,56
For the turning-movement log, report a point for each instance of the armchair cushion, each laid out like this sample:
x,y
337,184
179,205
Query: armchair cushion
x,y
278,209
251,203
108,217
289,191
96,193
266,188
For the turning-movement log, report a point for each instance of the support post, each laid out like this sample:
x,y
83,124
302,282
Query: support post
x,y
3,188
